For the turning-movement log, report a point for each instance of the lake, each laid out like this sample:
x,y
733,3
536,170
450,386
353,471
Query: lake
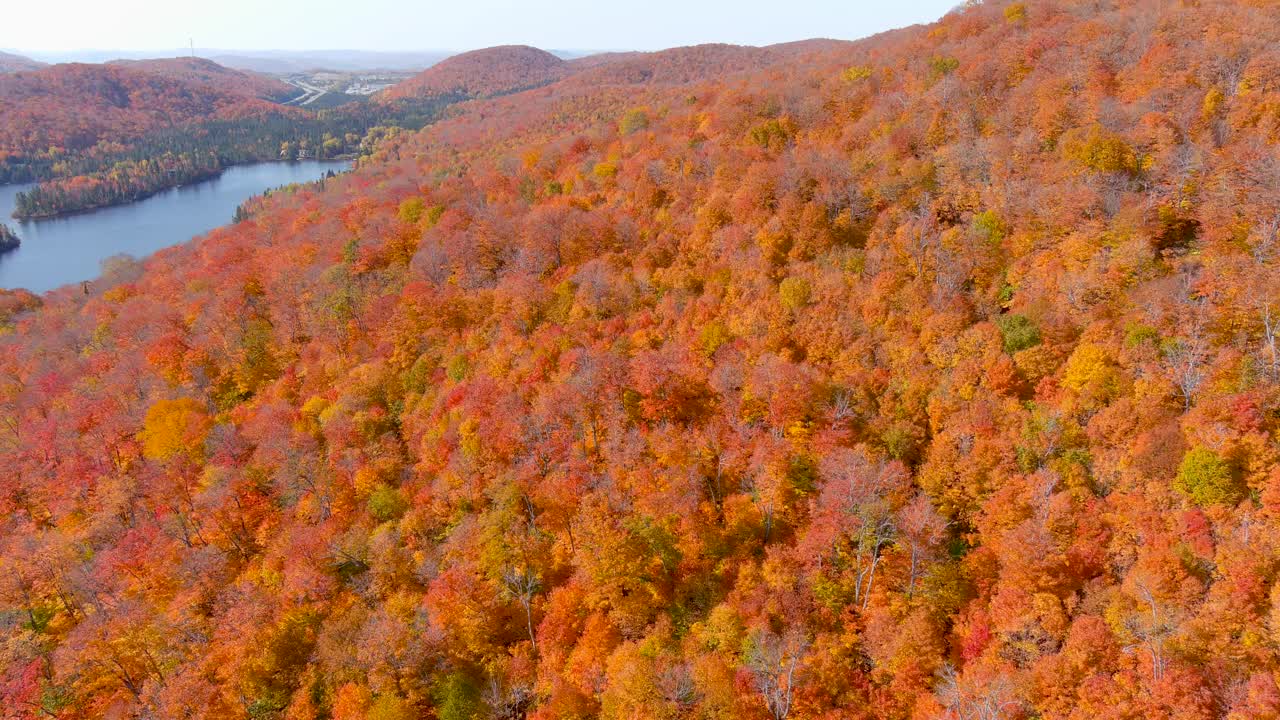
x,y
58,251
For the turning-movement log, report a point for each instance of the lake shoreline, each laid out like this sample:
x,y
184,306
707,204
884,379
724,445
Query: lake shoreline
x,y
9,240
138,197
68,249
143,195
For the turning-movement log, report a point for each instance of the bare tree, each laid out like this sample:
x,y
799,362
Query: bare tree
x,y
775,662
522,584
992,699
842,410
1151,628
922,532
878,530
1185,358
677,686
922,235
856,492
506,701
1262,292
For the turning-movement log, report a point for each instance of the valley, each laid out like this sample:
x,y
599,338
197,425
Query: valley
x,y
333,88
94,136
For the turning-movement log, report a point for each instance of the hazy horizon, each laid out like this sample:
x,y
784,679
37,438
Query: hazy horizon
x,y
382,26
135,54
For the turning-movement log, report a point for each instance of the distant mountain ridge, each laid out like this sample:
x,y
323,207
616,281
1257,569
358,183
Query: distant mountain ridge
x,y
283,62
206,72
513,68
485,73
17,63
266,61
694,63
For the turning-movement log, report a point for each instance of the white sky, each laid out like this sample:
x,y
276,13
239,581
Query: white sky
x,y
60,25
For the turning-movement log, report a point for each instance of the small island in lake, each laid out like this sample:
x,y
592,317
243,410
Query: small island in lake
x,y
9,240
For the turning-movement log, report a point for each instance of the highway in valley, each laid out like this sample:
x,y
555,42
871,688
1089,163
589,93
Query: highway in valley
x,y
310,93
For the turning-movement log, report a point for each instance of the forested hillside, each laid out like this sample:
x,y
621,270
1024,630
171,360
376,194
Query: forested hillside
x,y
98,135
16,63
929,376
206,72
76,106
77,119
483,73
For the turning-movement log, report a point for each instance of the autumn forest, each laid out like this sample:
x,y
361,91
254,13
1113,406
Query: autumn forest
x,y
101,135
930,375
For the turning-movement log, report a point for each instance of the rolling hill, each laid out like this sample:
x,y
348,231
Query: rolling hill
x,y
504,70
76,106
10,63
208,73
687,64
483,73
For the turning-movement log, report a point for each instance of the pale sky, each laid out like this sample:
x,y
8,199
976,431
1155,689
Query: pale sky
x,y
60,25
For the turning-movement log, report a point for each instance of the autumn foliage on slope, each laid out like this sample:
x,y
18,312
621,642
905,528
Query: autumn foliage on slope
x,y
16,63
932,376
200,71
483,73
76,106
688,64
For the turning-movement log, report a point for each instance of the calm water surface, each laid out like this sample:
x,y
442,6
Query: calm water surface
x,y
58,251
